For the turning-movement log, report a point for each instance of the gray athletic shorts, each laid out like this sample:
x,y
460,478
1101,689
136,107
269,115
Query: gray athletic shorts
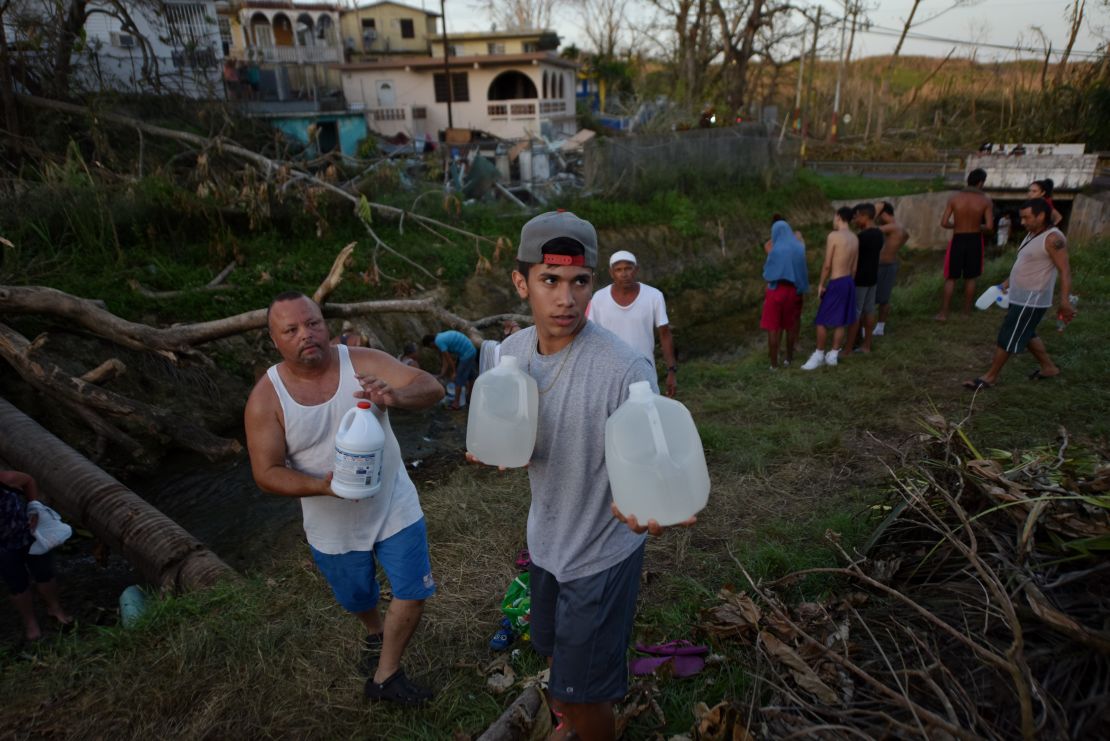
x,y
865,300
887,273
585,625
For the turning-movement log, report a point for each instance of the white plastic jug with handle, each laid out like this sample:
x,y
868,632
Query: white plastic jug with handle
x,y
504,412
655,459
988,298
359,446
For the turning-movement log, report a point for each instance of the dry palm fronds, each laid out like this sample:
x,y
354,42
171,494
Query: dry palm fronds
x,y
979,609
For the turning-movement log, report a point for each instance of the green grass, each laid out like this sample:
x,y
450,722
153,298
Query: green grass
x,y
847,187
792,455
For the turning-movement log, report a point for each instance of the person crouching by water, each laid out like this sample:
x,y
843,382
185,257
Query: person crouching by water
x,y
1042,256
17,566
291,419
787,283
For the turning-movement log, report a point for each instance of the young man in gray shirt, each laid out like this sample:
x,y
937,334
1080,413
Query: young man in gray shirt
x,y
586,556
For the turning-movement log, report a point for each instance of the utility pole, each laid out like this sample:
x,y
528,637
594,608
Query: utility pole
x,y
798,91
839,76
447,65
807,117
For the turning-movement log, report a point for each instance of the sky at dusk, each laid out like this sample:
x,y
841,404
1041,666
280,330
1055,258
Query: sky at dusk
x,y
1000,22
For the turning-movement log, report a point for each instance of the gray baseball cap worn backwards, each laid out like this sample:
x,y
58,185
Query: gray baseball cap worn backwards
x,y
554,229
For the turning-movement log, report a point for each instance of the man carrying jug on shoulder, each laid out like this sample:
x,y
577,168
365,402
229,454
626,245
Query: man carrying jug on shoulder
x,y
291,420
586,555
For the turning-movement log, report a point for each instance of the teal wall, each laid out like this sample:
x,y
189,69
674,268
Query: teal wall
x,y
352,129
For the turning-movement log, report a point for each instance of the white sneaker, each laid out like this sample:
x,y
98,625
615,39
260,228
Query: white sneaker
x,y
832,357
816,360
879,329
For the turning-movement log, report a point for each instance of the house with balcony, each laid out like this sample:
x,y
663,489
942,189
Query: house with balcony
x,y
283,51
386,28
508,95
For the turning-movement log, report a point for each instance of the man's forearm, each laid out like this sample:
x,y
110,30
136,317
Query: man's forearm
x,y
423,392
286,482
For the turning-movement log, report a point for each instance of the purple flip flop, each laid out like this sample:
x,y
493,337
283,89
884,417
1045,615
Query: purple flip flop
x,y
681,665
673,648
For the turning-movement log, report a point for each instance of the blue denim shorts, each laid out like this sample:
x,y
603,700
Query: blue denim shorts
x,y
585,625
404,559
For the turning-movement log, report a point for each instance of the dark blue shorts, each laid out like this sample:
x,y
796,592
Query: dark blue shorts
x,y
585,626
1018,327
404,559
18,567
465,372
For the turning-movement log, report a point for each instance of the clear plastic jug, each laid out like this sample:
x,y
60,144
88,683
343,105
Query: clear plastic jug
x,y
504,412
655,459
359,445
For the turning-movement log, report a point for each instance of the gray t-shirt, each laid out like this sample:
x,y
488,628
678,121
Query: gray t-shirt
x,y
571,531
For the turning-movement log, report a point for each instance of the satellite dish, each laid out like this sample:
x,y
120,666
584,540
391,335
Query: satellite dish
x,y
847,118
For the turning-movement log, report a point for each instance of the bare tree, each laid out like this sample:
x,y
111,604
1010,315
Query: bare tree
x,y
694,45
1075,20
605,24
519,14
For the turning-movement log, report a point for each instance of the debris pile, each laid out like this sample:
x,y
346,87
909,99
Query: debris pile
x,y
978,609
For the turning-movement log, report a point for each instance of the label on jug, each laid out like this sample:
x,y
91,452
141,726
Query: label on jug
x,y
357,469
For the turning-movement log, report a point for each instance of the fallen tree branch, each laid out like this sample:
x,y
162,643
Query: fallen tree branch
x,y
106,371
268,165
161,423
222,275
145,292
180,339
335,275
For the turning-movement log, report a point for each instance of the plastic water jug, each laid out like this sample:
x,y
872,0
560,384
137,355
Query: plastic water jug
x,y
132,605
359,446
501,428
993,296
655,459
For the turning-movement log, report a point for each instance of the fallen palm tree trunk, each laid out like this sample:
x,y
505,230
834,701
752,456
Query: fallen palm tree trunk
x,y
159,549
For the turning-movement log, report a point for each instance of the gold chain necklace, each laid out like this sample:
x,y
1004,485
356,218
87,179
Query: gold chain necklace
x,y
570,349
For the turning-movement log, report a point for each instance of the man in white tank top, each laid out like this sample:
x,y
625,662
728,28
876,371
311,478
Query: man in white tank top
x,y
291,419
1042,256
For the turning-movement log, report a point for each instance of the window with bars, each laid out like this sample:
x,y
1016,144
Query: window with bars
x,y
408,30
189,23
460,87
492,48
225,35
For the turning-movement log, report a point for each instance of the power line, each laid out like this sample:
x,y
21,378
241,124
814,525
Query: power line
x,y
895,33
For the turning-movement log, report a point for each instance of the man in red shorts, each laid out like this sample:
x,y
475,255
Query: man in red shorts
x,y
970,215
787,282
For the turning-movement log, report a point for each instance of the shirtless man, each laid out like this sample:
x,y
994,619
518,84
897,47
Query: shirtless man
x,y
838,297
969,214
894,237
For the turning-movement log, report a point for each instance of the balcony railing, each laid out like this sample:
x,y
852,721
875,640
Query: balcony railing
x,y
521,110
297,54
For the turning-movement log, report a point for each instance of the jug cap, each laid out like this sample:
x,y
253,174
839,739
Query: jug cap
x,y
364,405
509,361
640,390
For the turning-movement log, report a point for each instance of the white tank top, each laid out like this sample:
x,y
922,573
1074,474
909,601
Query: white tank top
x,y
335,525
1033,276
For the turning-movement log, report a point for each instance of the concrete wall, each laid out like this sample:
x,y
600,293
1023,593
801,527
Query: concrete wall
x,y
1068,172
1090,217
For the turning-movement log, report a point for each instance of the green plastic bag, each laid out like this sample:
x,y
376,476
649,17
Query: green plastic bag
x,y
518,603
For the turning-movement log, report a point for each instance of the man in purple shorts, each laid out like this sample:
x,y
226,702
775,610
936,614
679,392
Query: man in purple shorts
x,y
838,297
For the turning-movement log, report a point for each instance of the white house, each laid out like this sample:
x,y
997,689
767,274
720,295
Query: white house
x,y
175,43
508,95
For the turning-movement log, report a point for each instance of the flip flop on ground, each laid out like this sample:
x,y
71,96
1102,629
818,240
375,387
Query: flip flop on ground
x,y
977,384
1036,375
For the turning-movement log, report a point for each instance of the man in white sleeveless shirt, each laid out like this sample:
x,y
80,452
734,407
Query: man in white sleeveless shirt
x,y
1042,256
291,419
